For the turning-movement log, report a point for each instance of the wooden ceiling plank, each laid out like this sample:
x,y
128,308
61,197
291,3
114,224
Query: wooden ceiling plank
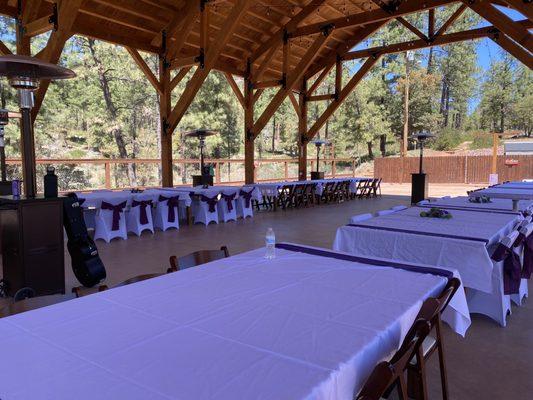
x,y
189,17
266,62
145,69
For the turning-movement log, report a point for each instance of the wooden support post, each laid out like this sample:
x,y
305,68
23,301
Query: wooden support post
x,y
107,175
431,22
338,77
164,112
302,134
249,137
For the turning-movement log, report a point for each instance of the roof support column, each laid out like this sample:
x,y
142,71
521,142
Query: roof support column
x,y
249,137
166,132
302,138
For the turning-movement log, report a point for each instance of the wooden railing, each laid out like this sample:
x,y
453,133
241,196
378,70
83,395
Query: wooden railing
x,y
102,173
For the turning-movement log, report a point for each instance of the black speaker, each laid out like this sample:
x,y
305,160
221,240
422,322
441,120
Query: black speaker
x,y
86,263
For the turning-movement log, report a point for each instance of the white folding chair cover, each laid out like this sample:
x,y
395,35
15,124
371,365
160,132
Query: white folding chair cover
x,y
496,305
201,212
399,208
242,210
133,216
523,291
104,223
224,214
160,216
360,217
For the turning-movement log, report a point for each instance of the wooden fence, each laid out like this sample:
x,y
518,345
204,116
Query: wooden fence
x,y
454,169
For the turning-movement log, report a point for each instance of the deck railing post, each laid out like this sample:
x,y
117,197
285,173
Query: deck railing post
x,y
286,168
107,175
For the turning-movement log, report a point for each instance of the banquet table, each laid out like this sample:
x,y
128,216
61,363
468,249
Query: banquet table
x,y
514,194
272,189
212,191
308,324
94,199
463,202
461,243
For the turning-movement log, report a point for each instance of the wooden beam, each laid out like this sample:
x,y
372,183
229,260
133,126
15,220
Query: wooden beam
x,y
522,6
352,83
501,21
165,96
267,84
67,12
302,130
249,138
232,21
190,15
257,94
296,75
365,18
514,49
413,29
38,26
294,102
183,62
4,50
338,77
431,23
321,97
265,63
454,37
235,88
204,26
178,78
457,13
145,69
277,37
319,80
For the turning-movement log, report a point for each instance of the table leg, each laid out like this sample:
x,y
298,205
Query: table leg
x,y
189,216
515,205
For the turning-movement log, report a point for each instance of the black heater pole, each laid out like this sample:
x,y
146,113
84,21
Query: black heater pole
x,y
317,158
421,155
28,155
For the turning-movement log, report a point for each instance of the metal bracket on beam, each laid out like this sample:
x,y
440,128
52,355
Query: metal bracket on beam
x,y
165,126
283,81
54,18
249,135
327,29
201,59
304,139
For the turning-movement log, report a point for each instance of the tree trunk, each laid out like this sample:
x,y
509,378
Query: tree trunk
x,y
383,145
111,109
370,152
273,145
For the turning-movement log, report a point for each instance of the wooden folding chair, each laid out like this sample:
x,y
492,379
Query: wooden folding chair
x,y
432,343
298,195
309,194
33,303
390,375
329,192
376,186
196,258
285,196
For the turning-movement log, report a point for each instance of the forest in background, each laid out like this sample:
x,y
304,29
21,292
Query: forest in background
x,y
111,110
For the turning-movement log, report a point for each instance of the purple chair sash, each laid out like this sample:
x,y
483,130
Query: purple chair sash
x,y
383,228
247,196
365,260
142,214
81,201
512,270
528,258
229,200
117,209
172,204
211,201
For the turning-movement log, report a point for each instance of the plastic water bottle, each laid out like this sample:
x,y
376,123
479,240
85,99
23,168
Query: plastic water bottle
x,y
270,243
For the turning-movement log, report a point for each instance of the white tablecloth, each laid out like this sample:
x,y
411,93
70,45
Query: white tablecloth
x,y
501,193
469,254
272,188
495,204
94,199
212,191
296,327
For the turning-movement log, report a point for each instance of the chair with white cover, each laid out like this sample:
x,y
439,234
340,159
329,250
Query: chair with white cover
x,y
505,281
422,202
399,208
227,208
205,208
359,218
244,203
524,244
139,217
384,212
166,214
110,221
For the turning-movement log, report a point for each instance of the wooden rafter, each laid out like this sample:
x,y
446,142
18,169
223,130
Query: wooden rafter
x,y
338,77
365,18
457,13
145,69
294,102
431,22
189,18
522,6
277,37
67,12
502,22
412,28
352,83
454,37
179,77
510,46
232,21
39,26
319,80
296,75
264,65
235,88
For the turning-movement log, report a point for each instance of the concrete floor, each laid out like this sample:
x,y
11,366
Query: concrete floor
x,y
490,363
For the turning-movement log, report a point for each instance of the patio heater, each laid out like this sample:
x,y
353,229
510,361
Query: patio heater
x,y
205,178
31,227
318,143
419,181
24,74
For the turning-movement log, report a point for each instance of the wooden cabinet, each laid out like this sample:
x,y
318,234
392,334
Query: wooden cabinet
x,y
32,244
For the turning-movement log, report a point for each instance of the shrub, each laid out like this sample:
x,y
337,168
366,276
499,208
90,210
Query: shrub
x,y
447,139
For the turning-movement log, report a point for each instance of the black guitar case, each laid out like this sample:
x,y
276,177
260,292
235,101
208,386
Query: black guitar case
x,y
86,262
